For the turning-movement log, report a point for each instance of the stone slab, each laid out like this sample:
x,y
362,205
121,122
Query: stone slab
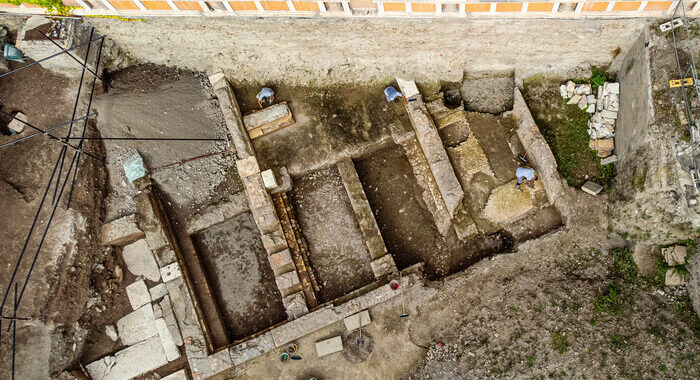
x,y
675,255
247,167
157,292
353,322
252,348
408,88
16,125
281,262
329,346
129,362
170,272
179,375
609,160
138,294
122,231
274,241
674,277
169,317
232,116
269,119
140,261
171,350
592,188
137,326
383,266
215,214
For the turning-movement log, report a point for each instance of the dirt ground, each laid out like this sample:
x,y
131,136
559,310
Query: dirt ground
x,y
240,275
337,250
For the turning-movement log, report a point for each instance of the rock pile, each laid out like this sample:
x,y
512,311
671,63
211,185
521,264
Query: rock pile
x,y
603,107
602,124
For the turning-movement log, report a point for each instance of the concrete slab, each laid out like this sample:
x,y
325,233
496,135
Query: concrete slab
x,y
138,294
157,292
137,326
329,346
354,321
169,346
675,255
122,231
129,362
140,261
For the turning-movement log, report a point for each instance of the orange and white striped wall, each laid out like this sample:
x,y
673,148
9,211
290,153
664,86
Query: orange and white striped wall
x,y
368,8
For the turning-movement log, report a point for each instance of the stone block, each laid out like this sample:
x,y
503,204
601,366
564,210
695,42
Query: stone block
x,y
171,350
408,88
609,160
606,114
269,179
140,261
138,294
675,255
613,88
268,120
329,346
266,218
165,256
137,326
574,99
287,280
592,188
674,277
217,213
170,272
383,266
122,231
247,167
129,362
156,239
170,320
274,241
281,262
251,349
17,126
157,292
295,304
179,375
256,192
354,321
303,325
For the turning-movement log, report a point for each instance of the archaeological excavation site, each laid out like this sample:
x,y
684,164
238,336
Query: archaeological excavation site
x,y
349,190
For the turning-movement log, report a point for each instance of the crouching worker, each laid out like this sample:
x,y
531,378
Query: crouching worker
x,y
392,95
265,97
524,174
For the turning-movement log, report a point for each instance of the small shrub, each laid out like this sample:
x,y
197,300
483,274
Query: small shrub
x,y
606,175
598,77
560,343
624,265
530,360
609,301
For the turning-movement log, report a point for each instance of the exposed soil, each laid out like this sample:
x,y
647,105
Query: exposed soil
x,y
405,223
240,276
337,250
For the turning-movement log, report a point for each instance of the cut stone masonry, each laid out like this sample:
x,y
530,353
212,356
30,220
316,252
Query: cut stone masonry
x,y
382,263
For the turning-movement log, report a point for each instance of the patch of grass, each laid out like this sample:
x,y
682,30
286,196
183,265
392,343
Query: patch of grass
x,y
598,77
592,322
624,265
560,343
610,300
658,277
530,360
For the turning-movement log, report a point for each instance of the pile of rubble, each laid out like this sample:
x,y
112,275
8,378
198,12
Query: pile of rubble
x,y
603,107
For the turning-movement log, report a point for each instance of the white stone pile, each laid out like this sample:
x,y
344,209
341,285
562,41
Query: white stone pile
x,y
604,106
602,123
